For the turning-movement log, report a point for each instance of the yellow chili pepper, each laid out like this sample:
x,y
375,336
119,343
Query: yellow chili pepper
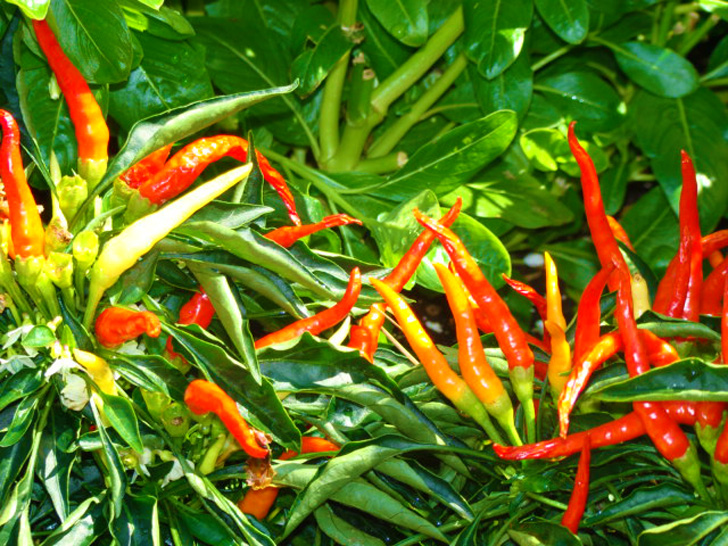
x,y
560,362
122,252
474,367
437,368
98,369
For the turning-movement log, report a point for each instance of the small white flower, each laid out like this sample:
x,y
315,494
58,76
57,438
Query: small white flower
x,y
75,394
14,335
62,366
174,474
16,363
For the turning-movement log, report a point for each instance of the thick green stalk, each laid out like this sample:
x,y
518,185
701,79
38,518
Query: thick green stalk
x,y
331,103
384,164
355,138
391,137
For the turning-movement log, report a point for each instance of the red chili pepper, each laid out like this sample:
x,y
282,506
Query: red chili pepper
x,y
198,310
203,397
724,324
711,296
620,430
589,313
679,291
187,164
714,241
580,493
26,228
362,336
116,325
258,502
619,233
366,341
320,321
142,171
538,301
287,235
92,133
715,258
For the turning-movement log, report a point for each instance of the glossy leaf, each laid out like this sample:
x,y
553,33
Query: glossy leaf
x,y
406,20
658,70
542,533
340,530
57,458
663,495
95,37
22,419
510,90
569,20
138,524
454,158
494,32
122,417
35,9
312,66
684,531
385,53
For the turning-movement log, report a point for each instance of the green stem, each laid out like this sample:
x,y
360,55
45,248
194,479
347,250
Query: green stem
x,y
665,23
331,102
687,8
547,501
693,38
529,416
718,82
551,57
355,137
384,164
391,137
418,64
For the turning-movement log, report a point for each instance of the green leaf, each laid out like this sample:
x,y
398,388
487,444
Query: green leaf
x,y
171,74
219,366
718,7
342,531
151,372
494,32
313,65
586,97
151,17
39,336
22,419
406,20
121,416
20,385
542,533
231,215
692,378
384,52
35,9
454,158
362,496
56,458
114,469
95,37
136,282
685,531
643,500
138,524
569,20
148,135
354,459
657,69
510,90
226,306
83,526
697,124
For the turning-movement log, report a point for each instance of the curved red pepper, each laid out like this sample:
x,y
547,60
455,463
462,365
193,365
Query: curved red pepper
x,y
143,170
580,493
26,228
92,133
287,235
117,325
203,397
589,313
187,164
538,301
320,321
198,310
619,233
711,296
362,335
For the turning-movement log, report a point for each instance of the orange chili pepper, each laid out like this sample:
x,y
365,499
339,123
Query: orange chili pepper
x,y
619,233
320,321
117,325
287,235
203,397
560,362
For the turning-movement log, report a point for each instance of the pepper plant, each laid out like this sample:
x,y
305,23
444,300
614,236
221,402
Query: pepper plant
x,y
209,328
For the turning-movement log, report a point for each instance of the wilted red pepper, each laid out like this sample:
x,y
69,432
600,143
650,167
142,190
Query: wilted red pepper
x,y
365,336
117,325
320,321
580,493
287,235
203,397
187,164
92,133
143,170
26,228
258,502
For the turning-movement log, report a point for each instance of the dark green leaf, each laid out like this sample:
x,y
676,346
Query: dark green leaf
x,y
95,37
383,52
697,124
56,459
454,158
20,385
494,32
171,74
542,533
138,524
136,282
643,500
259,400
659,70
406,20
510,90
685,531
342,531
313,65
82,527
151,372
121,416
569,20
156,20
114,469
23,418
